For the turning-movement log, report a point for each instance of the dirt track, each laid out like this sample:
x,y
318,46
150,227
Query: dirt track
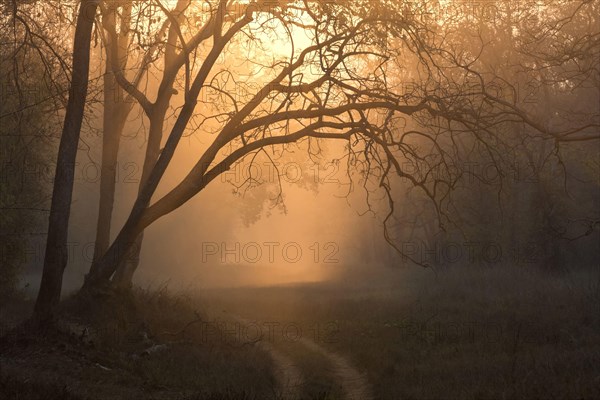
x,y
353,383
290,380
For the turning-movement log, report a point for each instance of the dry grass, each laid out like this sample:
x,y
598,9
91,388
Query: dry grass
x,y
100,342
467,333
502,333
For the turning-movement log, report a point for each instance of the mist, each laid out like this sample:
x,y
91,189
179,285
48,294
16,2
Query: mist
x,y
299,200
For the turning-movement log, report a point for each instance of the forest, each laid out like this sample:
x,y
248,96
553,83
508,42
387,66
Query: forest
x,y
299,199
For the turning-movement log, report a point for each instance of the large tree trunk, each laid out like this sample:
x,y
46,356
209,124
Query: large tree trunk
x,y
55,259
129,261
103,268
141,216
123,277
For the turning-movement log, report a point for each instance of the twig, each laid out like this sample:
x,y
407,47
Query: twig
x,y
182,331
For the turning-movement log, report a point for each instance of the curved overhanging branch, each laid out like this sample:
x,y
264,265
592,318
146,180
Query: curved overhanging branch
x,y
192,185
351,100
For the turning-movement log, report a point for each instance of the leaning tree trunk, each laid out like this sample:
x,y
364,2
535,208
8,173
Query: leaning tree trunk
x,y
55,259
123,277
141,215
104,268
127,262
126,268
124,274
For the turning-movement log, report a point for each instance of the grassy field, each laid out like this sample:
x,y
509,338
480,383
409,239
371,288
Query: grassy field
x,y
467,333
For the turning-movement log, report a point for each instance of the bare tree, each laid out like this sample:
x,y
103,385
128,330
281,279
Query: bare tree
x,y
342,76
33,79
55,259
345,85
117,106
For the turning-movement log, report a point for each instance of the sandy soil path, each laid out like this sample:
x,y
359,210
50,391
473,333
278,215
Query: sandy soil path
x,y
354,384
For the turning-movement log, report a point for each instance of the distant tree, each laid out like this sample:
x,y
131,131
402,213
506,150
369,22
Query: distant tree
x,y
33,79
527,191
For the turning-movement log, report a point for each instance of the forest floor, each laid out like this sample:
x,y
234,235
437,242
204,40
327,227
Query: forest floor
x,y
137,346
465,333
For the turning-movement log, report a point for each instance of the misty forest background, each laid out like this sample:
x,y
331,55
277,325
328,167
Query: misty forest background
x,y
519,195
140,140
